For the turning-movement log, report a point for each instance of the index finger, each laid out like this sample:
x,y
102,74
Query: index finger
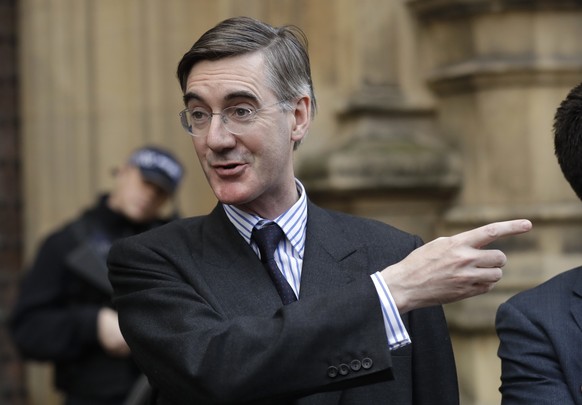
x,y
486,234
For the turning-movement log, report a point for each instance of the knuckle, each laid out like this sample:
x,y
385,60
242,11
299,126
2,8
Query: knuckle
x,y
465,257
441,240
484,288
491,230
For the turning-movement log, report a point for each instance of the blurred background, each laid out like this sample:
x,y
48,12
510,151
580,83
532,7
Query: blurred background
x,y
434,116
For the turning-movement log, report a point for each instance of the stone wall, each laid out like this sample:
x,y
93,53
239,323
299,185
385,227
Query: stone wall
x,y
434,116
12,390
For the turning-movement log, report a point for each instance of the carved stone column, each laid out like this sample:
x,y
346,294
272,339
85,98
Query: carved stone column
x,y
388,161
499,69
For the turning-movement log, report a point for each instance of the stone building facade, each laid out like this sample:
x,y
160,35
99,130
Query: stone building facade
x,y
434,116
12,390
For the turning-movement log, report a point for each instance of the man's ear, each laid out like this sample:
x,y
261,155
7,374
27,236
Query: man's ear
x,y
302,119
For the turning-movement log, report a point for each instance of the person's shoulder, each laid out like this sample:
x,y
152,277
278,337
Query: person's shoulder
x,y
562,281
65,236
362,226
551,293
169,233
62,235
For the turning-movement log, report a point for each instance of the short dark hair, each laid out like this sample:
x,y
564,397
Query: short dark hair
x,y
285,50
568,138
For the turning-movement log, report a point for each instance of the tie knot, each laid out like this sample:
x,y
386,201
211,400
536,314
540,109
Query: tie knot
x,y
267,238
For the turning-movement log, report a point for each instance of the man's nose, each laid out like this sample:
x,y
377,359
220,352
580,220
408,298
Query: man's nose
x,y
218,137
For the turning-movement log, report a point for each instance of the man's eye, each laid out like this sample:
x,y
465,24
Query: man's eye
x,y
240,113
199,115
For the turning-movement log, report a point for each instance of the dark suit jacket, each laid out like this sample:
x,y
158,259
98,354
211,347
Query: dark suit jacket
x,y
207,326
541,343
55,315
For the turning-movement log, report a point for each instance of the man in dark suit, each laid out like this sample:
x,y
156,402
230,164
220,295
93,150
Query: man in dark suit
x,y
270,299
540,330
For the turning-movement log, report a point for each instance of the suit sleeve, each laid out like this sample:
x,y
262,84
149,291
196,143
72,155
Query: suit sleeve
x,y
431,345
530,373
190,348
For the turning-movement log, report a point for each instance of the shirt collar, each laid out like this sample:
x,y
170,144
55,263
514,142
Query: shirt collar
x,y
292,221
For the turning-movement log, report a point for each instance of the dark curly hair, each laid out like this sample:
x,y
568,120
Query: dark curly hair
x,y
568,138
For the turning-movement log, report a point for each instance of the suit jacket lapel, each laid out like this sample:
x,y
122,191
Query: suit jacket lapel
x,y
233,270
235,273
326,259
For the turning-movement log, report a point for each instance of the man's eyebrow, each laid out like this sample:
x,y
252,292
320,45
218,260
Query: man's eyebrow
x,y
230,96
191,96
241,94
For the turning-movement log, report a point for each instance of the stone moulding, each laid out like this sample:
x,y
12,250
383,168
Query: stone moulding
x,y
392,146
488,73
396,164
441,9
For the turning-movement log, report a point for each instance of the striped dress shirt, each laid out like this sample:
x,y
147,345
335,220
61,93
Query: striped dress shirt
x,y
289,258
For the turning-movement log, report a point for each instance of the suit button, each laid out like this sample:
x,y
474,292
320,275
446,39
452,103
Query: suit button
x,y
356,365
344,369
367,363
332,372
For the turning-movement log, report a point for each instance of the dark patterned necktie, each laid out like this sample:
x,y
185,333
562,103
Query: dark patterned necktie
x,y
267,238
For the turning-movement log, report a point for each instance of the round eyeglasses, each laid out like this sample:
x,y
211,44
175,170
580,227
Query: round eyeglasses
x,y
236,119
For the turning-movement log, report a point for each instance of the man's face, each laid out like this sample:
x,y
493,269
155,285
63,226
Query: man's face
x,y
253,171
134,197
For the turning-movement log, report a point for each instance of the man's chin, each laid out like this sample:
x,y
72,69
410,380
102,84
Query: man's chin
x,y
231,194
139,216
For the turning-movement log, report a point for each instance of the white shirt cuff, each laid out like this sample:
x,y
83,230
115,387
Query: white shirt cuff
x,y
395,330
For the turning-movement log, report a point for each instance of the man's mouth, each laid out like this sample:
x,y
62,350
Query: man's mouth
x,y
229,169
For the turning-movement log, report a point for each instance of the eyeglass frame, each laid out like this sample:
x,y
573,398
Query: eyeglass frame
x,y
223,118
